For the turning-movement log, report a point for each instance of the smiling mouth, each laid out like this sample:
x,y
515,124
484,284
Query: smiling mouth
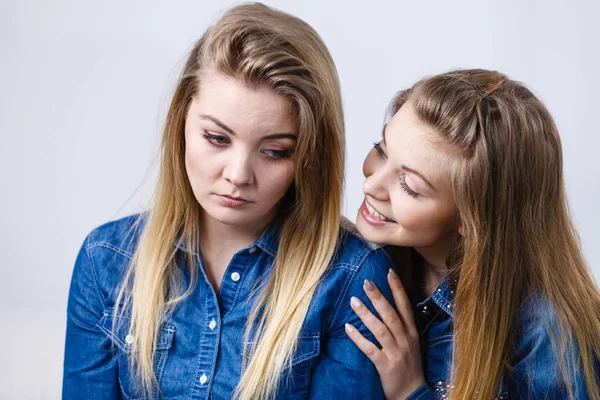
x,y
374,213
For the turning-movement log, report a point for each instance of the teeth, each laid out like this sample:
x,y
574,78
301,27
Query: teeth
x,y
375,214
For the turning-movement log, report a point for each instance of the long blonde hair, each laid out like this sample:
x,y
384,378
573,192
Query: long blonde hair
x,y
260,47
517,238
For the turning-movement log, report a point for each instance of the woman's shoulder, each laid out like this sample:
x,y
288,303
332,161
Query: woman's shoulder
x,y
541,334
538,317
355,261
106,255
353,250
538,321
119,235
545,343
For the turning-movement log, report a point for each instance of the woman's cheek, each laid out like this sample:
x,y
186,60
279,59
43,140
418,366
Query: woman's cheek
x,y
368,164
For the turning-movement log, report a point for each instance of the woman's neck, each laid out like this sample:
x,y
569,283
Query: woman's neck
x,y
219,242
216,236
433,270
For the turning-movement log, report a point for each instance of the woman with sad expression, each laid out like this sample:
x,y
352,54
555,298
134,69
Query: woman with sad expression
x,y
493,296
237,283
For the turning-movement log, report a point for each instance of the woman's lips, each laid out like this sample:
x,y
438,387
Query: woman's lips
x,y
367,211
233,202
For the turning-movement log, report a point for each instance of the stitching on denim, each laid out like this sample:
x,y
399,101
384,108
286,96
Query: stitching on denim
x,y
125,395
359,257
200,345
160,368
347,283
167,332
346,266
371,245
113,336
113,248
213,363
207,287
239,286
93,269
439,340
423,390
443,303
420,395
315,339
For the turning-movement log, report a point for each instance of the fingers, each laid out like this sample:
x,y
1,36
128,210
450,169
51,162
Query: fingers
x,y
373,324
402,301
376,356
389,316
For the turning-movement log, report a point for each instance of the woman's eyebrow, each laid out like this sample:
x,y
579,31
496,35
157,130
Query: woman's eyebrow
x,y
413,171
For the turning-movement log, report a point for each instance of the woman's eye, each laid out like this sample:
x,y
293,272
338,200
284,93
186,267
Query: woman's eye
x,y
217,140
277,154
406,188
377,147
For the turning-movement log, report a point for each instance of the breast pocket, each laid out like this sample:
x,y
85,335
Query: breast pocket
x,y
121,337
295,379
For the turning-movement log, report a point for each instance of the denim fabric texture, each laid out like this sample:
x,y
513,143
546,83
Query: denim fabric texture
x,y
200,345
535,372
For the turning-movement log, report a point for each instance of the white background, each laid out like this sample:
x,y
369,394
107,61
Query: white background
x,y
84,86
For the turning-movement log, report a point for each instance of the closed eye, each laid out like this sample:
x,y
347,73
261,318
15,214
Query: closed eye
x,y
380,152
406,188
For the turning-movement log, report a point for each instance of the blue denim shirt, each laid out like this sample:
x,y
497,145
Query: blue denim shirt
x,y
199,350
536,366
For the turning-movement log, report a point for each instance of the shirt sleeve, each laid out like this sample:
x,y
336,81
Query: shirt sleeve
x,y
343,371
90,367
537,373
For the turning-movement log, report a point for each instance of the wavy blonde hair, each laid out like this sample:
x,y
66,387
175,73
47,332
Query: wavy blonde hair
x,y
260,47
518,239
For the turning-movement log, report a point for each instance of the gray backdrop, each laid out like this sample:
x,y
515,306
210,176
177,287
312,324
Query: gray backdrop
x,y
84,86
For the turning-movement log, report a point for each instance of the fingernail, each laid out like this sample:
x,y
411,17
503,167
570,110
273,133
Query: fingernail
x,y
369,285
355,301
393,275
349,328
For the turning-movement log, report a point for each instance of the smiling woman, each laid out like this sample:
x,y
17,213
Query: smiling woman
x,y
408,185
467,185
236,284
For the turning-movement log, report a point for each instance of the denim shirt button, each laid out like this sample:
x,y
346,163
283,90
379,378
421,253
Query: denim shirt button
x,y
212,324
203,379
252,250
129,339
235,276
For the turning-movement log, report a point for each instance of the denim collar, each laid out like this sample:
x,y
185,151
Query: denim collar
x,y
267,242
442,297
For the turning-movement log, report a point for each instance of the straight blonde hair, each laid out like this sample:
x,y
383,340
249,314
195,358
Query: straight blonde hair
x,y
518,240
261,48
